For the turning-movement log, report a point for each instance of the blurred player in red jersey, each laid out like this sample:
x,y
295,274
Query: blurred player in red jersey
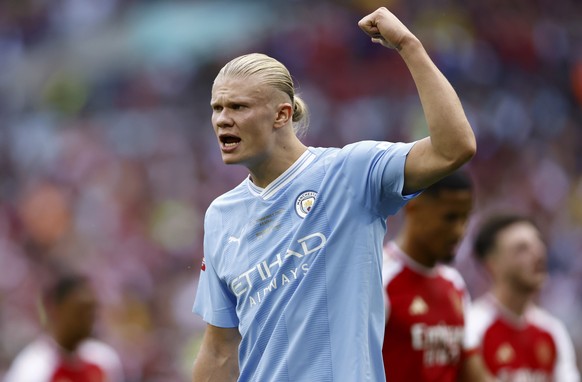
x,y
427,300
67,353
519,341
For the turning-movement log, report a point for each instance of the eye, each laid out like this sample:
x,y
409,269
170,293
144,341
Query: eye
x,y
217,108
237,106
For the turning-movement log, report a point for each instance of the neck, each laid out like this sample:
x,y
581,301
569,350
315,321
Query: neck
x,y
514,300
66,344
62,336
414,250
269,169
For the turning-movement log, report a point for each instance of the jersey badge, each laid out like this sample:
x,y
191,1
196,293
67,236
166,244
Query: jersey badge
x,y
417,307
504,353
456,302
544,353
304,203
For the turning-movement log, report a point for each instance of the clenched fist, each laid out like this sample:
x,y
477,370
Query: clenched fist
x,y
385,29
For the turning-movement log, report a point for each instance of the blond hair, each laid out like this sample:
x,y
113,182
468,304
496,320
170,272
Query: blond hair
x,y
273,73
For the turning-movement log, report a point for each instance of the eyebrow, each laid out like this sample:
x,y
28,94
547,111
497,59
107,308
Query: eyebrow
x,y
233,100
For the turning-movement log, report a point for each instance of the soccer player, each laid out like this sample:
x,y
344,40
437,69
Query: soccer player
x,y
519,340
67,352
427,299
291,285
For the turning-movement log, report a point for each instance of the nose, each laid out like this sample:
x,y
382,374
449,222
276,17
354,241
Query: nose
x,y
222,118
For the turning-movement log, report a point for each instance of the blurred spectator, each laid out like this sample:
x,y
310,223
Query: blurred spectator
x,y
518,339
67,351
427,300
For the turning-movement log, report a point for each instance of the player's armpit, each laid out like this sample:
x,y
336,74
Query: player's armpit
x,y
217,360
473,369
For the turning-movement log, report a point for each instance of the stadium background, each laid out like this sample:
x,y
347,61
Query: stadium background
x,y
108,160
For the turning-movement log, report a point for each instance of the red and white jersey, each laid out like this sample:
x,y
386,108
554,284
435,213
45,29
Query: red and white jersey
x,y
425,320
534,347
44,361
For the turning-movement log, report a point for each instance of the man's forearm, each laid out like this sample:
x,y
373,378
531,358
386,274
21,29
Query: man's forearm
x,y
215,368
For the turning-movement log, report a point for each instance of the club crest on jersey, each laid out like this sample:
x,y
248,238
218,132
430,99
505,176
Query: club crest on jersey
x,y
544,353
304,203
456,302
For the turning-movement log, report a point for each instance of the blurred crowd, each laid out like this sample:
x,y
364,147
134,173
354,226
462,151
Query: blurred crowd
x,y
108,160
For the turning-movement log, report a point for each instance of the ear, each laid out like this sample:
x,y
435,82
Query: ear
x,y
284,114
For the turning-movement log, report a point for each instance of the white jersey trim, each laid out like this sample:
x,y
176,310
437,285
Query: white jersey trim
x,y
565,369
391,267
291,173
397,252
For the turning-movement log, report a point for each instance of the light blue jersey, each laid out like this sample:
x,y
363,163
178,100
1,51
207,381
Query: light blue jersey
x,y
297,265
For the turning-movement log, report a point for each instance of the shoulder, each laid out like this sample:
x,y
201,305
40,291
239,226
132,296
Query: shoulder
x,y
544,320
228,200
551,325
240,191
482,314
322,152
103,355
367,147
452,275
483,306
360,149
99,350
34,363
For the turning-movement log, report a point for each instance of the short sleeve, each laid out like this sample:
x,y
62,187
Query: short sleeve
x,y
565,369
393,177
214,302
105,356
470,342
376,171
479,318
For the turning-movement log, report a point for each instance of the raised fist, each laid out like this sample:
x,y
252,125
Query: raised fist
x,y
385,28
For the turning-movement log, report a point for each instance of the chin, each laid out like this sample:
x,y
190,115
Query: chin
x,y
229,159
535,285
447,259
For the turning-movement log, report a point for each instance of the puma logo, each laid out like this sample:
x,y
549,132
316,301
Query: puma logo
x,y
233,239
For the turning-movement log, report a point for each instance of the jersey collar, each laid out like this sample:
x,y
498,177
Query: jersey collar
x,y
511,318
411,263
291,173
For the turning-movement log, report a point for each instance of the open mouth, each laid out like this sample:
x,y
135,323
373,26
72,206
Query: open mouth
x,y
229,141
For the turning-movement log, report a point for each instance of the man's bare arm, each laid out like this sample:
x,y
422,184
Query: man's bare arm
x,y
217,360
451,142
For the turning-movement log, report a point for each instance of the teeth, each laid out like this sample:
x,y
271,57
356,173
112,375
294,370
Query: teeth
x,y
229,144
